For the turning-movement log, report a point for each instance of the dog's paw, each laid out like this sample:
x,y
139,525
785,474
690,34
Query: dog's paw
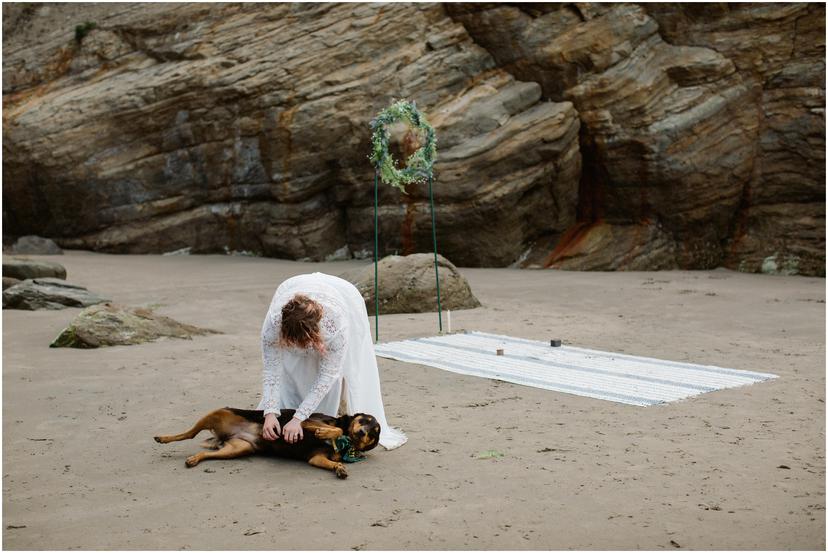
x,y
192,461
160,439
327,433
341,473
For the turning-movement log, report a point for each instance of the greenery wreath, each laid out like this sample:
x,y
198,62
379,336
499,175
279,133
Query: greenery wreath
x,y
419,165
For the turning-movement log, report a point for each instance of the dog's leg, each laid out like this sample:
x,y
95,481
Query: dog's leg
x,y
321,460
210,421
321,430
234,447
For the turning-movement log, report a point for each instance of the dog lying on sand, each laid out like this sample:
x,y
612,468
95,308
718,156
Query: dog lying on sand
x,y
327,440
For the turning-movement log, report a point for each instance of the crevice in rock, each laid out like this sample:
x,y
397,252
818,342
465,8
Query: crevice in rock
x,y
577,11
135,38
593,176
591,208
593,182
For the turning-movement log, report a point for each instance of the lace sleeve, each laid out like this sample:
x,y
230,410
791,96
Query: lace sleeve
x,y
330,365
272,360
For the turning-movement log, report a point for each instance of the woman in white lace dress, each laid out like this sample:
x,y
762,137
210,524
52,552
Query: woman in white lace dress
x,y
317,351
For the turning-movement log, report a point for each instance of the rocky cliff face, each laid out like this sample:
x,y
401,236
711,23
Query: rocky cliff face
x,y
703,127
569,136
779,49
245,127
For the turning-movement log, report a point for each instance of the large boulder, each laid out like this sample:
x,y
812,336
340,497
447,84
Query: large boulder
x,y
24,268
48,293
407,284
109,324
246,127
35,245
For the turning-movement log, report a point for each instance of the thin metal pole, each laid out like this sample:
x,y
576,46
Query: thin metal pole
x,y
376,257
434,238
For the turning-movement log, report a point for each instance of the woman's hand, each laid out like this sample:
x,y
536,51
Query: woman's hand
x,y
293,431
270,428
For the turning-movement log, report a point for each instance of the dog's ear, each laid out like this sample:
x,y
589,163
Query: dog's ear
x,y
344,422
370,419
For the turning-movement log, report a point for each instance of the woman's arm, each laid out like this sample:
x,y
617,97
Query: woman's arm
x,y
272,361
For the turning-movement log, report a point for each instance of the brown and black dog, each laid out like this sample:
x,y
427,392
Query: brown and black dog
x,y
239,432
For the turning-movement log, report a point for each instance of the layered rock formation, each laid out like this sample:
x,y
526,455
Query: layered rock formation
x,y
606,136
48,293
780,50
695,123
246,127
23,268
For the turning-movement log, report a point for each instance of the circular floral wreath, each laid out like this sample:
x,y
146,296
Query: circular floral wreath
x,y
419,165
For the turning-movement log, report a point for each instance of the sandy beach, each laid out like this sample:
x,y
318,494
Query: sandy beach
x,y
81,470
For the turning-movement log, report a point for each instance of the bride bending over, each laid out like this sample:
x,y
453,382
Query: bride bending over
x,y
318,356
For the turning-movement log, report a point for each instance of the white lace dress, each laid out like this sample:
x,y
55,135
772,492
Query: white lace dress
x,y
301,379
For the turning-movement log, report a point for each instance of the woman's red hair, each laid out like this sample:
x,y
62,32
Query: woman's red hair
x,y
300,324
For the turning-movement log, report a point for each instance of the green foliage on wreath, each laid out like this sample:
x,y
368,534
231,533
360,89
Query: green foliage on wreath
x,y
420,164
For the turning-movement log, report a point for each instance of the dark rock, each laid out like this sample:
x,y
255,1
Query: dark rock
x,y
35,245
24,268
115,325
48,293
407,285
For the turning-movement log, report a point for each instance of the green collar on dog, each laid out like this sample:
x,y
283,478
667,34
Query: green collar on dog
x,y
346,450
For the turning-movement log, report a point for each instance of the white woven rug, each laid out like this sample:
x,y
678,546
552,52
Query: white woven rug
x,y
598,374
